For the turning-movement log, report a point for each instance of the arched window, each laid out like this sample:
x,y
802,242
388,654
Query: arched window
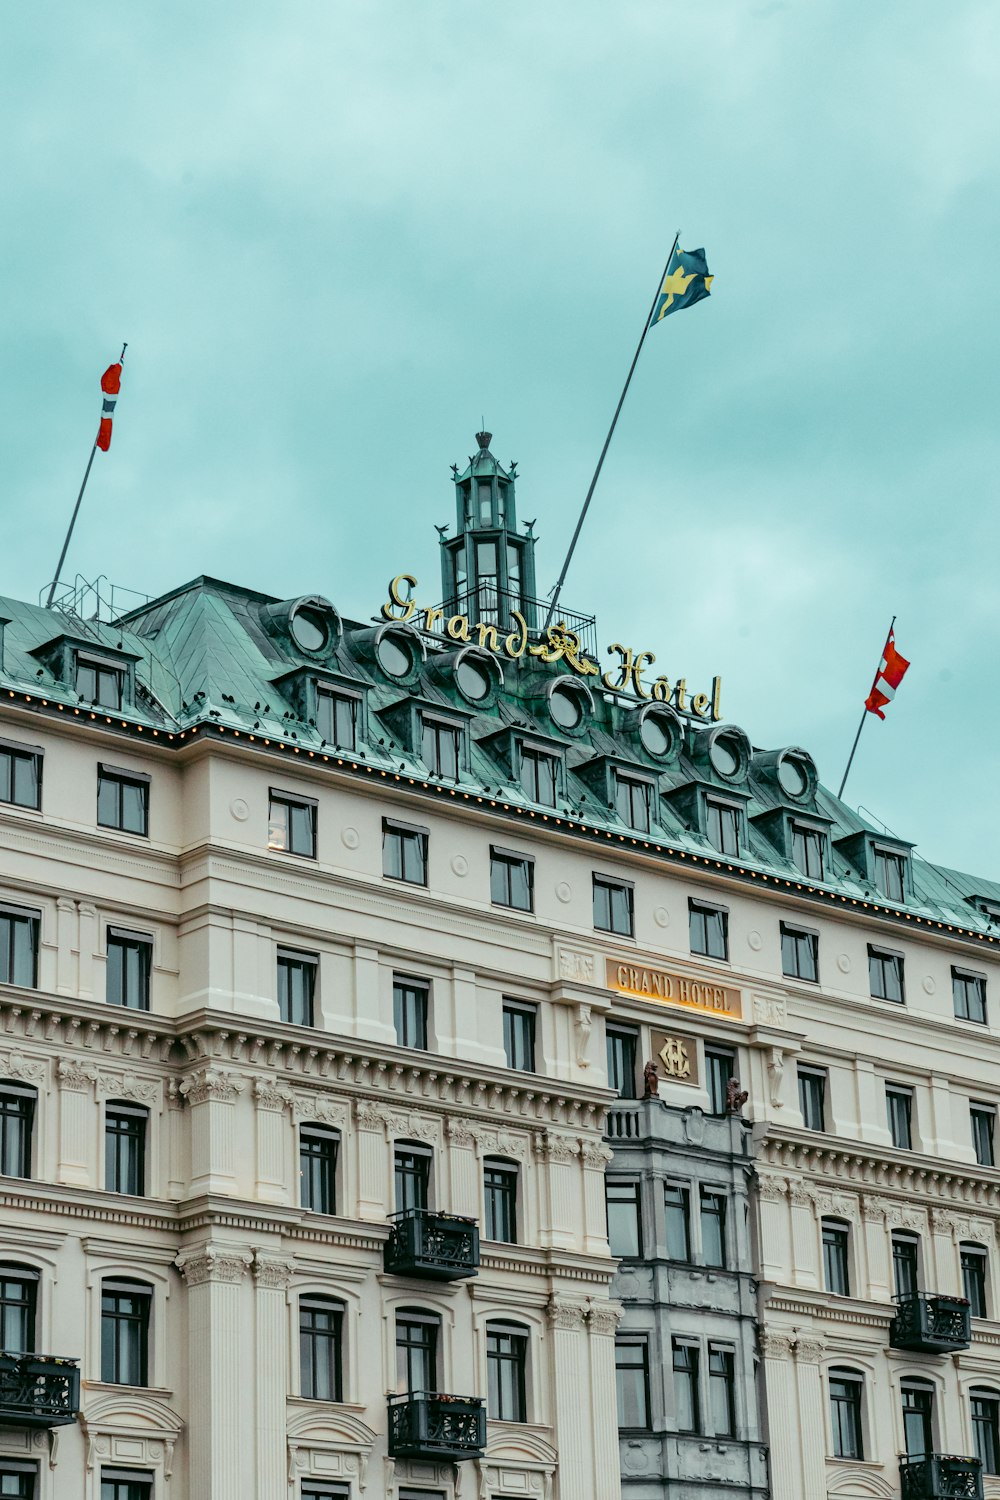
x,y
17,1119
985,1405
974,1263
417,1340
836,1257
506,1368
319,1148
125,1127
412,1171
321,1323
125,1309
905,1263
500,1197
847,1389
18,1303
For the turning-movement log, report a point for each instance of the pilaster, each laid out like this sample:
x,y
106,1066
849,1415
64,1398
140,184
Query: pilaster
x,y
76,1122
271,1275
222,1372
211,1095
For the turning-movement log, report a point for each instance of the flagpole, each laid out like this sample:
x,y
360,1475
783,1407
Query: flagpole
x,y
76,511
850,758
607,441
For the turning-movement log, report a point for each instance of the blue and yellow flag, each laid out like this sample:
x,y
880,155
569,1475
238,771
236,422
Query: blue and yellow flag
x,y
686,282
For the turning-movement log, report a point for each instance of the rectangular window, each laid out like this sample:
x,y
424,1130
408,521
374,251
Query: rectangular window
x,y
123,800
126,1484
318,1150
836,1266
17,1118
506,1358
624,1217
291,824
17,1481
885,974
337,719
519,1035
677,1207
687,1413
713,1227
723,826
720,1066
500,1196
969,991
632,1382
416,1354
974,1279
20,779
410,1005
404,852
320,1369
412,1172
905,1264
613,906
297,986
890,874
315,1489
812,1098
709,929
809,851
539,773
18,1300
512,880
845,1414
18,946
632,799
722,1390
899,1109
985,1430
124,1333
622,1043
799,953
983,1120
441,745
125,1149
130,962
99,682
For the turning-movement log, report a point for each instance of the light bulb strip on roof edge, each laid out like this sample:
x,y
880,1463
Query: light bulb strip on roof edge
x,y
119,725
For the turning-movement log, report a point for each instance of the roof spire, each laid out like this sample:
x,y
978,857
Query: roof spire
x,y
484,439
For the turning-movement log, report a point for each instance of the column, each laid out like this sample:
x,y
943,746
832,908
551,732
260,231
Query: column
x,y
785,1436
223,1367
805,1241
876,1248
573,1414
77,1127
271,1275
271,1099
602,1322
212,1095
373,1161
465,1168
775,1229
561,1154
595,1156
812,1422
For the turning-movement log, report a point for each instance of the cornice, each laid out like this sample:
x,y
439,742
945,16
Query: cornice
x,y
907,1174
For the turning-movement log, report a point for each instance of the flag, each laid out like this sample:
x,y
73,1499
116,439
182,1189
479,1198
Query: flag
x,y
111,384
686,282
890,674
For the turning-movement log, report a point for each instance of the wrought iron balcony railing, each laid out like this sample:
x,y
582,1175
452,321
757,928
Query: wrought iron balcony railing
x,y
941,1476
441,1247
426,1424
38,1390
936,1324
491,605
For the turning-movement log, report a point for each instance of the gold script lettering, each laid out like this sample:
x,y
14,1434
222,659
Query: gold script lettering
x,y
396,601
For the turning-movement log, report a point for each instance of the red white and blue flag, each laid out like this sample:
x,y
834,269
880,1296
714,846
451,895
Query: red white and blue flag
x,y
890,674
111,384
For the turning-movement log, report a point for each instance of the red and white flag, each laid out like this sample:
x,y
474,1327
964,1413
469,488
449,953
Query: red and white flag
x,y
890,674
111,384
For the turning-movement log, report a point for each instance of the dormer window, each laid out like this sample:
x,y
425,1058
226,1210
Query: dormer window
x,y
890,873
441,747
723,826
632,800
337,718
539,772
99,681
809,851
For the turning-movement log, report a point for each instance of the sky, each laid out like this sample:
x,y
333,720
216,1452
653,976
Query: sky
x,y
338,233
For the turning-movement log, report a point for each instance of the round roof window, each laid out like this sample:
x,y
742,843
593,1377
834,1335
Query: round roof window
x,y
310,631
394,656
793,776
658,733
564,706
472,680
725,755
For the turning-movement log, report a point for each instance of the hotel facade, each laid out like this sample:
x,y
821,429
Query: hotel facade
x,y
357,977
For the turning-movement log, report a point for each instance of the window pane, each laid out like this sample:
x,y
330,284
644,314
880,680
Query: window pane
x,y
506,1356
685,1363
632,1383
337,719
124,1151
986,1430
899,1109
320,1349
133,807
17,1312
621,1048
713,1227
708,930
410,1005
17,1112
624,1222
983,1120
412,1178
845,1413
722,1392
296,988
677,1206
974,1279
318,1150
18,949
128,969
885,974
519,1037
500,1193
720,1066
812,1099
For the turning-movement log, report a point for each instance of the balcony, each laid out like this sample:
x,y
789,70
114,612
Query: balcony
x,y
941,1476
934,1324
38,1390
426,1424
440,1247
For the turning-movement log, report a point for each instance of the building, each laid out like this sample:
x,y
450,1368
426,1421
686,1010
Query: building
x,y
325,948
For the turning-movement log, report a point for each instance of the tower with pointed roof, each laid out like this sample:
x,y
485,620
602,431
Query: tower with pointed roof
x,y
488,566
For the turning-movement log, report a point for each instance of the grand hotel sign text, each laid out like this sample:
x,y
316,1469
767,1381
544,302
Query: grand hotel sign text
x,y
559,644
673,989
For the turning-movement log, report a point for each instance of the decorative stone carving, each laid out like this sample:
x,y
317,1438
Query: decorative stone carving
x,y
694,1126
272,1095
604,1317
129,1086
583,1025
802,1194
76,1076
901,1216
873,1209
776,1345
842,1205
214,1084
576,966
772,1189
568,1316
369,1116
775,1073
596,1154
460,1132
213,1264
27,1069
560,1148
735,1097
769,1010
808,1350
271,1272
650,1081
319,1108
